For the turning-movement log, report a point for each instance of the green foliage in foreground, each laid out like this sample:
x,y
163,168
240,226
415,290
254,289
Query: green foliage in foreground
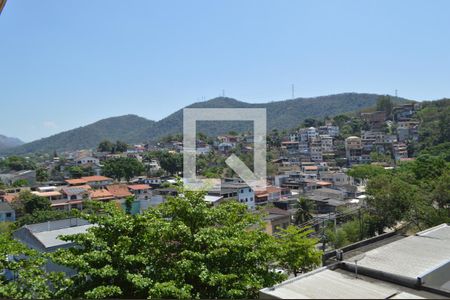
x,y
181,249
417,193
30,279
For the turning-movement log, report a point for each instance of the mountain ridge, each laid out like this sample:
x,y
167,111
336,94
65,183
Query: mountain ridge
x,y
9,142
284,114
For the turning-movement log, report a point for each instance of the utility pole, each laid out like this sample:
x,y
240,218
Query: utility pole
x,y
223,93
293,91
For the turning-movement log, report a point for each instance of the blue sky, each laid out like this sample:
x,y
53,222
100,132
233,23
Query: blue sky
x,y
68,63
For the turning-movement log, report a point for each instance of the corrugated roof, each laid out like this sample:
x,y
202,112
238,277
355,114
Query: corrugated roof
x,y
51,239
412,257
327,284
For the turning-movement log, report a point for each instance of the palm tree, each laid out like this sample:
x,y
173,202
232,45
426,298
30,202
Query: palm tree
x,y
303,213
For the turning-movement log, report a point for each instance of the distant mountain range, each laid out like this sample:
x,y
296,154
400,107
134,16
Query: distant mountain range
x,y
9,142
134,129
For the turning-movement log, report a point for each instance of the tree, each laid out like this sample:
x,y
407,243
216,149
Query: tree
x,y
120,147
171,162
129,204
20,183
365,172
389,199
30,280
123,167
297,252
384,103
41,175
180,249
41,216
341,120
76,172
28,203
105,146
303,207
17,163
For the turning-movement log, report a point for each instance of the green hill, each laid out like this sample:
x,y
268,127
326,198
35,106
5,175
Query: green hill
x,y
133,129
122,128
9,142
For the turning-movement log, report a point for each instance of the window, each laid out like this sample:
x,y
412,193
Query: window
x,y
242,191
8,215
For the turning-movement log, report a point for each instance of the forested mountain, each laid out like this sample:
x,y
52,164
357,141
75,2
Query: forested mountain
x,y
133,129
124,128
9,142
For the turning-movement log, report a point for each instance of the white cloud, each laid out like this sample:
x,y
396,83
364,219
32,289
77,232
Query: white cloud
x,y
49,125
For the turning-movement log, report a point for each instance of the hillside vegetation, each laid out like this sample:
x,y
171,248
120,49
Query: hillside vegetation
x,y
133,129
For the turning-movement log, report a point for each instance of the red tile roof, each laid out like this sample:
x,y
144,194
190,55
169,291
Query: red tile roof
x,y
76,181
101,195
10,197
96,178
119,190
136,187
311,168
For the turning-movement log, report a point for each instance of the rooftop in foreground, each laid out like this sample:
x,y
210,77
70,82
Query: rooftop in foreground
x,y
412,267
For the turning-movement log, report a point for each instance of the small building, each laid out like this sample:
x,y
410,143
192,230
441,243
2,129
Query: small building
x,y
101,195
119,191
140,191
7,213
93,181
45,237
27,175
276,219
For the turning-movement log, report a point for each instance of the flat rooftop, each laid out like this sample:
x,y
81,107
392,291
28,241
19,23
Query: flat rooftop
x,y
398,267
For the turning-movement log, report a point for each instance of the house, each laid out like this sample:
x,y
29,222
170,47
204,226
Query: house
x,y
329,129
7,213
44,237
276,219
390,266
400,150
290,146
315,150
84,160
270,194
93,181
332,193
214,200
27,175
337,178
119,191
50,195
225,147
307,169
374,119
101,195
324,204
72,197
326,142
403,112
353,150
140,191
236,190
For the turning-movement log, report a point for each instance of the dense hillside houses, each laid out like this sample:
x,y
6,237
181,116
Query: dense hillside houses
x,y
310,183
